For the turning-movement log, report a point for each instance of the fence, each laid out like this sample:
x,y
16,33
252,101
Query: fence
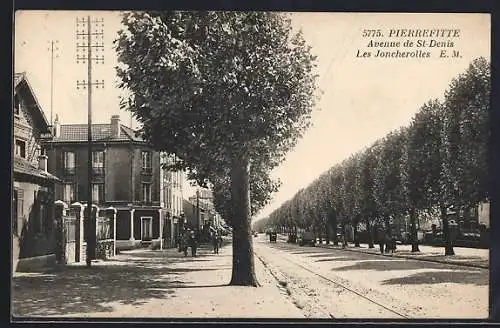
x,y
70,226
104,228
70,229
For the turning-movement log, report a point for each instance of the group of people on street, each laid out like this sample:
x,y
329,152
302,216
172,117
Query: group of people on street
x,y
189,239
386,242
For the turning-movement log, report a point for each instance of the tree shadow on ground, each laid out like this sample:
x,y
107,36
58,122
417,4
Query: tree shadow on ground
x,y
454,258
338,259
201,286
133,279
474,277
305,252
80,290
396,264
441,256
323,255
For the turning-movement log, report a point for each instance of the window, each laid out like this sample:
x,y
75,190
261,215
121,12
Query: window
x,y
41,219
69,162
98,162
17,104
68,192
146,162
146,192
98,192
20,150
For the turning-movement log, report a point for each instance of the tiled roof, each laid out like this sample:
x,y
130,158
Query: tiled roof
x,y
37,110
100,132
23,166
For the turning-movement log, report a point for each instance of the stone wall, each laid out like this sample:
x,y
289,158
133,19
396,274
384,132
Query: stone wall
x,y
83,252
104,249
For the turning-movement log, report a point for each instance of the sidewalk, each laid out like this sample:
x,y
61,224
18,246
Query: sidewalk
x,y
470,257
153,284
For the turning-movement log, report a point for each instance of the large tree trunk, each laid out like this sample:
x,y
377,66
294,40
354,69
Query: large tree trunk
x,y
327,229
334,228
388,232
356,237
243,258
369,228
448,248
320,232
414,235
335,237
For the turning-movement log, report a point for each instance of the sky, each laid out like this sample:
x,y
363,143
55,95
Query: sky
x,y
362,99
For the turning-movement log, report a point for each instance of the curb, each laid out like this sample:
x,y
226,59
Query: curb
x,y
479,266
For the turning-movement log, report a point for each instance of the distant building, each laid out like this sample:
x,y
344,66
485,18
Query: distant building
x,y
208,217
171,199
125,175
33,228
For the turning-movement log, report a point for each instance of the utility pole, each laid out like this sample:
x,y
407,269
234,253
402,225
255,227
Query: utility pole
x,y
198,210
53,48
87,41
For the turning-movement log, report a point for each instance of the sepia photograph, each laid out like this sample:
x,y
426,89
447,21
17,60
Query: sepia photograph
x,y
250,165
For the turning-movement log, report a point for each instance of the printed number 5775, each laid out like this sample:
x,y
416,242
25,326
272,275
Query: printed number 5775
x,y
372,33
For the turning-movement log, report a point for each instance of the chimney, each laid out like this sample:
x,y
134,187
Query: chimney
x,y
42,162
56,128
115,126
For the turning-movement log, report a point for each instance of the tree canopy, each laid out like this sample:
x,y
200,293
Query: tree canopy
x,y
439,161
229,93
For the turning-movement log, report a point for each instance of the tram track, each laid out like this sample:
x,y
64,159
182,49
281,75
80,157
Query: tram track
x,y
350,290
288,284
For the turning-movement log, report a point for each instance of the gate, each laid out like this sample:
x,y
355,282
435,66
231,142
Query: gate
x,y
104,228
70,240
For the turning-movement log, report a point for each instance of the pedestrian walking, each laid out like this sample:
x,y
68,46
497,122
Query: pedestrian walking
x,y
185,241
393,244
380,237
388,243
215,242
193,243
219,240
342,240
179,241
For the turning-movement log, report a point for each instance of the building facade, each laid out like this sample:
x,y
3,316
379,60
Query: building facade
x,y
33,228
200,212
125,176
171,199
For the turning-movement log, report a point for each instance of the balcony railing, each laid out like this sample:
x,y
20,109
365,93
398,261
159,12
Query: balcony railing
x,y
98,170
147,170
147,203
69,171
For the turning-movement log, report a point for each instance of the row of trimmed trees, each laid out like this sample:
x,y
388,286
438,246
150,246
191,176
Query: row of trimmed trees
x,y
439,161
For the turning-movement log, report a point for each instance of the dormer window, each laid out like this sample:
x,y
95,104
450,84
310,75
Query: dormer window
x,y
20,149
17,105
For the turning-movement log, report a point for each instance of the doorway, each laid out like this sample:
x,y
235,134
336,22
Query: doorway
x,y
146,228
